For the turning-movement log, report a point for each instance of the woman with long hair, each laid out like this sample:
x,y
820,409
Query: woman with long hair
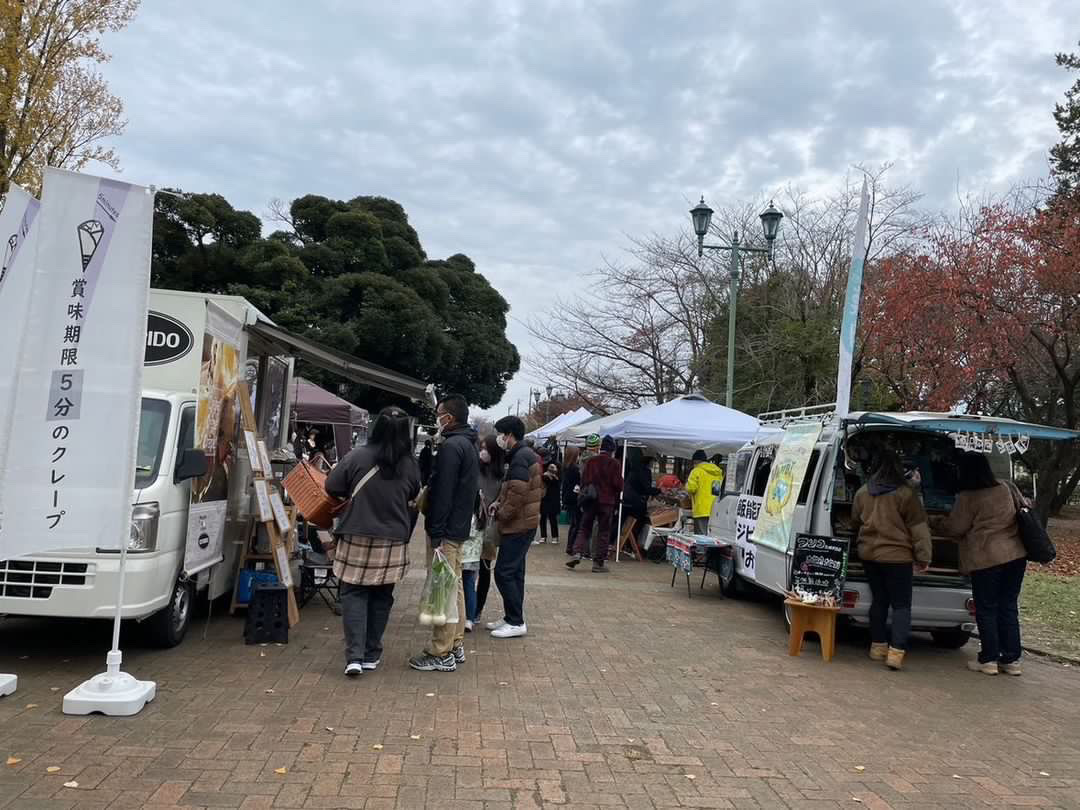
x,y
492,465
383,480
983,519
894,543
571,487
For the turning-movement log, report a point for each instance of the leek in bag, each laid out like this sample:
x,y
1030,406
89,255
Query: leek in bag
x,y
438,599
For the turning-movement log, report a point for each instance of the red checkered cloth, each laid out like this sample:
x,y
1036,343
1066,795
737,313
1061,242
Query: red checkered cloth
x,y
362,560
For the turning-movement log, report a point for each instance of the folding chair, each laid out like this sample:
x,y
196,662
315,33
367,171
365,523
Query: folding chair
x,y
317,572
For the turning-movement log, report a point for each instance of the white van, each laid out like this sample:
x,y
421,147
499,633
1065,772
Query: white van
x,y
941,598
82,582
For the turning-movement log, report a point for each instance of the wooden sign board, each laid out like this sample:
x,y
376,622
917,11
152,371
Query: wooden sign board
x,y
819,565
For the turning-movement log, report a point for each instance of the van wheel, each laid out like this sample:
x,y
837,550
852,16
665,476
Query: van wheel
x,y
950,639
168,626
729,580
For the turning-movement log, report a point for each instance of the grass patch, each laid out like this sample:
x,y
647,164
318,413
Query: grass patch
x,y
1050,613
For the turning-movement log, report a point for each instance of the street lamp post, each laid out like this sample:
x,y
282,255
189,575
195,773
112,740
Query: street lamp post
x,y
701,215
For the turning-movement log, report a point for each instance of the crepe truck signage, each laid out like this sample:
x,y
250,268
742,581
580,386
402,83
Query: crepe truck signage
x,y
167,339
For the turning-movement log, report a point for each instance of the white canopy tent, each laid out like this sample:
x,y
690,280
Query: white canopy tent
x,y
560,423
675,428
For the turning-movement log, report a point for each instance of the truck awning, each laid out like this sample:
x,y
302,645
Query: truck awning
x,y
279,341
970,423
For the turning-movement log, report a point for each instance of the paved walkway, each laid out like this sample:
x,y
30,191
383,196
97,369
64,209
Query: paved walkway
x,y
625,694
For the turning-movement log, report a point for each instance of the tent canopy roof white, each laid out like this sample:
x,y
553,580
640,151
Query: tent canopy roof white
x,y
561,422
676,428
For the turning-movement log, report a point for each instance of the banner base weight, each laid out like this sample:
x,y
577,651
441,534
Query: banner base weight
x,y
112,693
8,684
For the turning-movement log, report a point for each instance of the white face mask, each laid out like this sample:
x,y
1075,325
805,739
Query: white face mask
x,y
485,456
501,441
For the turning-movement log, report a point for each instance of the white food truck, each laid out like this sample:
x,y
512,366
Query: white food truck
x,y
941,598
161,581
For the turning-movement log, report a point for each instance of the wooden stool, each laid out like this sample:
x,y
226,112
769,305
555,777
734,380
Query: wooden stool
x,y
812,619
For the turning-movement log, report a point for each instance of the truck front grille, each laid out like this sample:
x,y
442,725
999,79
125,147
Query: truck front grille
x,y
35,579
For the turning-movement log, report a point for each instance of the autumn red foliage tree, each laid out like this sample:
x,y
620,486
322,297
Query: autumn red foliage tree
x,y
985,316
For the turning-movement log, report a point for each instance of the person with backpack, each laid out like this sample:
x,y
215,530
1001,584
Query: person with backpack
x,y
372,555
517,512
601,487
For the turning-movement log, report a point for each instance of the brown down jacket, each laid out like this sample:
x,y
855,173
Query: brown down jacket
x,y
521,492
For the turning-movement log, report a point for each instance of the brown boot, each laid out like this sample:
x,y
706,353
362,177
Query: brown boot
x,y
895,658
879,651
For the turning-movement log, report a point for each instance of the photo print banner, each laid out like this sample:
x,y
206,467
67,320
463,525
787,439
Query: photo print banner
x,y
774,528
70,467
18,210
216,422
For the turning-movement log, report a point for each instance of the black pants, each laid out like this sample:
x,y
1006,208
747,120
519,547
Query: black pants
x,y
510,575
365,611
549,515
571,530
996,591
890,587
483,585
601,515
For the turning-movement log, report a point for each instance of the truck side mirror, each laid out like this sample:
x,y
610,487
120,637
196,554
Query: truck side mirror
x,y
191,464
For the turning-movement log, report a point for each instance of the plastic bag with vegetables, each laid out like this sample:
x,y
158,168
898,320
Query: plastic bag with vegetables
x,y
438,599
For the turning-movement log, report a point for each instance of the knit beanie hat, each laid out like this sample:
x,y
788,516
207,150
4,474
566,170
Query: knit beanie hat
x,y
593,441
608,445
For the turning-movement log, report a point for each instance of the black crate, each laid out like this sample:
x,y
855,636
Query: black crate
x,y
268,615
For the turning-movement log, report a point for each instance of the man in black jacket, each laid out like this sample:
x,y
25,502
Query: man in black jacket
x,y
455,481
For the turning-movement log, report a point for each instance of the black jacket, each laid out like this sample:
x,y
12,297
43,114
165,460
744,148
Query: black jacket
x,y
570,479
639,486
455,480
381,509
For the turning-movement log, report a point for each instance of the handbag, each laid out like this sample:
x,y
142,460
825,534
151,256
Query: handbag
x,y
588,496
1037,543
306,486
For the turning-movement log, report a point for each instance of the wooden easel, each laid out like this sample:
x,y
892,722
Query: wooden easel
x,y
628,543
247,414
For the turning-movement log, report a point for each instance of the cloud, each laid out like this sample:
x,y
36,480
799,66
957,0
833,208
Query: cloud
x,y
534,135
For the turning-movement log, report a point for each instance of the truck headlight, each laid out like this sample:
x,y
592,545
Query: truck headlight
x,y
144,525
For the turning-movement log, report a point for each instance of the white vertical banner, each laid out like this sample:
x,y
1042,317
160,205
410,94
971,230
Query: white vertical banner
x,y
851,307
71,458
18,210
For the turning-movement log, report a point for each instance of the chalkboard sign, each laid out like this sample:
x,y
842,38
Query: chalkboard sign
x,y
819,565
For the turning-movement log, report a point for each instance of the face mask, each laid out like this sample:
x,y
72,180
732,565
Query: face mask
x,y
444,421
501,441
485,456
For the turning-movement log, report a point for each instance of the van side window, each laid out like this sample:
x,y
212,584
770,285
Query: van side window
x,y
186,437
761,476
811,468
742,464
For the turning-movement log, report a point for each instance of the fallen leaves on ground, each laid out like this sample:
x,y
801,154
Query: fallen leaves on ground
x,y
52,769
14,760
71,784
281,770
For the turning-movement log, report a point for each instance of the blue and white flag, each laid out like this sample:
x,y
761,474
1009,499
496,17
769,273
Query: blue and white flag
x,y
851,308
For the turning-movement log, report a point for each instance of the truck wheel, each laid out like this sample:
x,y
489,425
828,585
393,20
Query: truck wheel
x,y
950,639
729,580
167,627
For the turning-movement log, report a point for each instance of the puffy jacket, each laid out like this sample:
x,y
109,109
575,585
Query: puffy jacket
x,y
699,486
455,480
522,490
985,522
604,472
892,525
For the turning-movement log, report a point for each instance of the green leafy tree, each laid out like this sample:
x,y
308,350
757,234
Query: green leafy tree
x,y
1065,155
352,275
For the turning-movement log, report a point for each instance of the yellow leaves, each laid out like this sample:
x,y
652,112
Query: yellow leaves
x,y
377,747
13,760
52,769
71,784
281,771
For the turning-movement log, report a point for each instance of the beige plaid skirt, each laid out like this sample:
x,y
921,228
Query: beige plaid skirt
x,y
362,560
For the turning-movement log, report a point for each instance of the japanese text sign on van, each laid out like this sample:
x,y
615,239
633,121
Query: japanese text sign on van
x,y
71,459
774,525
746,517
819,565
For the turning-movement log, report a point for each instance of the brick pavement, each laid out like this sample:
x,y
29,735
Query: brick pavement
x,y
625,694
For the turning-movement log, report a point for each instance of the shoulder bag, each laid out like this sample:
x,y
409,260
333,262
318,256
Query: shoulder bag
x,y
1037,543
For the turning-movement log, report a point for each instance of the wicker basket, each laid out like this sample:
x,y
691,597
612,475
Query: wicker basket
x,y
306,486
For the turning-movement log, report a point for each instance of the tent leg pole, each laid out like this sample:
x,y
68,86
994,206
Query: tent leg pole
x,y
618,527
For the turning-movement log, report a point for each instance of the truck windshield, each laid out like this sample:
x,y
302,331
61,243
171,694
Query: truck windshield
x,y
153,425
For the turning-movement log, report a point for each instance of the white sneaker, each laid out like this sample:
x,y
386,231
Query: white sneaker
x,y
538,542
495,625
354,668
509,631
468,626
371,664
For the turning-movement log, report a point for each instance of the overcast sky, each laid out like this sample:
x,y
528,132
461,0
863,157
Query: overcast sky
x,y
533,136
